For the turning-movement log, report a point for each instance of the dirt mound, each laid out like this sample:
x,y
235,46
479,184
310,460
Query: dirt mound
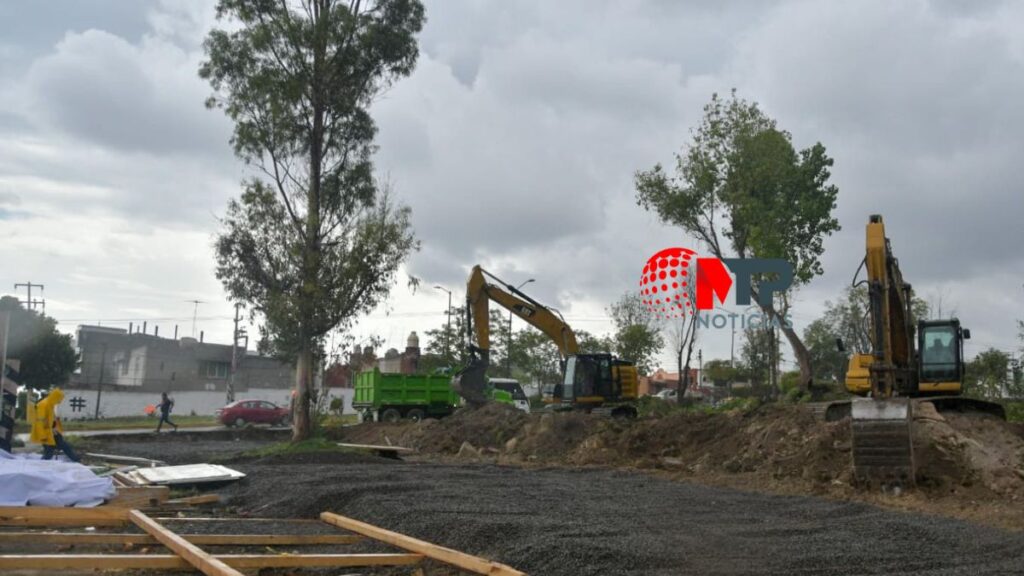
x,y
773,444
969,451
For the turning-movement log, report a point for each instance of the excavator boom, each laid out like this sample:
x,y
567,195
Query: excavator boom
x,y
482,287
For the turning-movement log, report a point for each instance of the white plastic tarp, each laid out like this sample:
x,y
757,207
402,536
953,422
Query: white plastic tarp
x,y
28,480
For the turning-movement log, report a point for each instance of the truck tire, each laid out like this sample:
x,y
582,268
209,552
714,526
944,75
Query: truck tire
x,y
390,415
416,414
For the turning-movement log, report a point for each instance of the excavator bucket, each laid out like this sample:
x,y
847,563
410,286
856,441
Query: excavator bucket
x,y
883,452
471,381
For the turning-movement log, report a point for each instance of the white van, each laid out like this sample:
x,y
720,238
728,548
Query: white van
x,y
510,385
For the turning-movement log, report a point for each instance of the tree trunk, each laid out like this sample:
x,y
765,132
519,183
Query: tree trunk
x,y
301,428
680,384
301,424
803,358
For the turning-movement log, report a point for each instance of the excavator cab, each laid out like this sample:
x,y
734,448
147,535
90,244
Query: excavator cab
x,y
598,380
587,376
941,356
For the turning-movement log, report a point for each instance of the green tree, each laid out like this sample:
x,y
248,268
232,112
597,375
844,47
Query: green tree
x,y
756,355
637,334
314,242
720,372
47,356
535,357
593,344
829,362
448,347
987,375
743,190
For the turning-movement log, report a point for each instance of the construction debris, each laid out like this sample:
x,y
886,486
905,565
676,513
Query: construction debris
x,y
188,554
187,474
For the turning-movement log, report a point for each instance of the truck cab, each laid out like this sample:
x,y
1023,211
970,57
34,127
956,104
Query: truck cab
x,y
510,391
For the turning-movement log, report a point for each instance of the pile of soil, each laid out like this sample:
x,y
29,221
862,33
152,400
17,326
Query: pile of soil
x,y
773,445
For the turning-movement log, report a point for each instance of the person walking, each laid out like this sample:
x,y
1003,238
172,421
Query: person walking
x,y
165,406
47,429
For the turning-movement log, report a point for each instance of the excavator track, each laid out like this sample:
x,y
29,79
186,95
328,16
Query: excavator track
x,y
883,449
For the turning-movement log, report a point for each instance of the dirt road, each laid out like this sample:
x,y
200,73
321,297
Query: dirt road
x,y
577,522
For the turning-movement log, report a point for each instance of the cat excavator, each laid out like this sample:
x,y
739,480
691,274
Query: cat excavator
x,y
590,382
907,366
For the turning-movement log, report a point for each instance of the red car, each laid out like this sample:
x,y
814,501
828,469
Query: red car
x,y
242,412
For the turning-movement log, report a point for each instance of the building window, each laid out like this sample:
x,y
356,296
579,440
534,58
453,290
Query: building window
x,y
214,369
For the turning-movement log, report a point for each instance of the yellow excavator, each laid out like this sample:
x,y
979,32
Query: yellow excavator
x,y
906,366
591,382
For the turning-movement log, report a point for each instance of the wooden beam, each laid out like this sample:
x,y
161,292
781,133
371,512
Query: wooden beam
x,y
125,459
59,516
168,561
195,500
89,538
190,552
234,519
446,555
140,496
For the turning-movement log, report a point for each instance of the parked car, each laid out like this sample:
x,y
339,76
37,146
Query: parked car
x,y
668,394
242,412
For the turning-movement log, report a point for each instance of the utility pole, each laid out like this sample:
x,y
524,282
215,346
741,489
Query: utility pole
x,y
195,310
732,348
99,384
508,348
234,353
29,303
700,367
448,331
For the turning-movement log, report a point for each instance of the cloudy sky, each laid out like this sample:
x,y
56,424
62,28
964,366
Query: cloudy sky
x,y
515,142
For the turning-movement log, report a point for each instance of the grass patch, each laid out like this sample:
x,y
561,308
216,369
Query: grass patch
x,y
1014,411
315,444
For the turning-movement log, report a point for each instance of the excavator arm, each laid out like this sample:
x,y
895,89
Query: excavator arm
x,y
882,446
483,287
892,368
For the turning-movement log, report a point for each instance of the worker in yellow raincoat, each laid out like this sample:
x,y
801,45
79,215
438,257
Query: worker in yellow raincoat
x,y
47,429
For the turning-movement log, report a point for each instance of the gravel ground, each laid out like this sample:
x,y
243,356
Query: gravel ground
x,y
579,522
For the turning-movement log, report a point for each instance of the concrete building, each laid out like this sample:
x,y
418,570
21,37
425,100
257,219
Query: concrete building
x,y
123,372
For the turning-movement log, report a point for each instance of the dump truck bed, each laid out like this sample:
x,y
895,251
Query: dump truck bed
x,y
375,390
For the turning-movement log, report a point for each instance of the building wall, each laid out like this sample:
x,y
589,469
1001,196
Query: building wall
x,y
81,403
148,362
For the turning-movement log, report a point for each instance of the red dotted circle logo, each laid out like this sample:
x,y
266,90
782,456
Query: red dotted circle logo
x,y
665,282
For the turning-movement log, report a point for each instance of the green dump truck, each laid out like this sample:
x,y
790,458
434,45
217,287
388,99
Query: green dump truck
x,y
392,397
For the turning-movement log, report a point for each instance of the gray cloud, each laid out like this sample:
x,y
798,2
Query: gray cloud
x,y
516,138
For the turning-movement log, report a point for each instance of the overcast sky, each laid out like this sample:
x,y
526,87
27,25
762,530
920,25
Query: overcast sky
x,y
515,141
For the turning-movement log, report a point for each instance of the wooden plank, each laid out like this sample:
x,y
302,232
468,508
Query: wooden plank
x,y
124,459
375,447
190,552
234,519
58,516
140,496
168,561
90,538
446,555
195,500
